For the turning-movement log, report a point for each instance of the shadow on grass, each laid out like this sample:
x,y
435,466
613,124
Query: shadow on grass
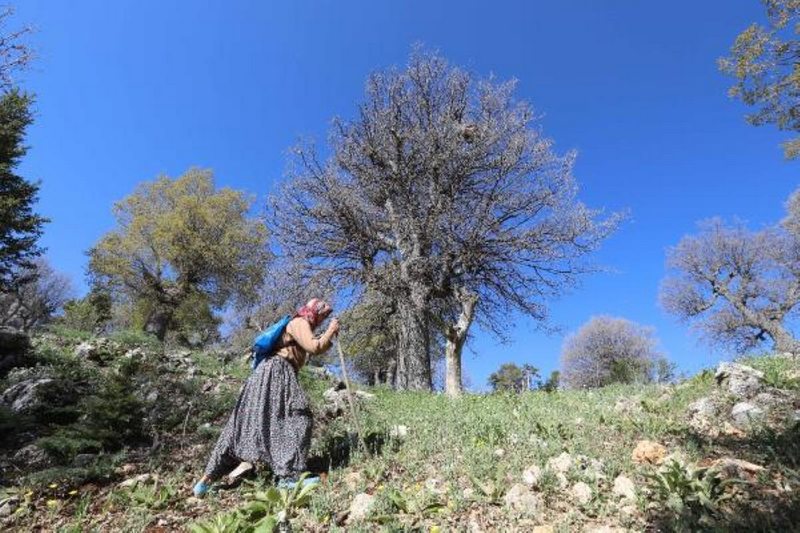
x,y
339,450
764,503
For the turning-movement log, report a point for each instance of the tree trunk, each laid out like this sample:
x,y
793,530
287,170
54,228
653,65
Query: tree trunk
x,y
391,372
168,299
454,343
784,341
158,321
414,365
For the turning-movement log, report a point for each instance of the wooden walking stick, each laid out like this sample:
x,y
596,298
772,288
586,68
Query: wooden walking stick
x,y
353,410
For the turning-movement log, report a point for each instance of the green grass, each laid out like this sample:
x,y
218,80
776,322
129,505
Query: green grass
x,y
456,464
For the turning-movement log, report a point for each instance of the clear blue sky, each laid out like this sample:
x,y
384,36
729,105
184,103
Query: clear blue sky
x,y
130,90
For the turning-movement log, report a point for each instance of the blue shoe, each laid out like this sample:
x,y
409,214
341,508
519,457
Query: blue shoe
x,y
200,489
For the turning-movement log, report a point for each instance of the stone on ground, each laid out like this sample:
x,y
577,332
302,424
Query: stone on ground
x,y
521,499
745,414
399,432
532,475
141,478
360,507
561,464
740,380
624,488
581,492
730,467
32,457
648,452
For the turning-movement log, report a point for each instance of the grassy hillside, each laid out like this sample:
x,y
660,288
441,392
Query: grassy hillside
x,y
561,461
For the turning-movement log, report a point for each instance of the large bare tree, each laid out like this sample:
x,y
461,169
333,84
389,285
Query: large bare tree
x,y
442,193
737,286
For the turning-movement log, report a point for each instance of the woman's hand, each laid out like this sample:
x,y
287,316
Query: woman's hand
x,y
333,327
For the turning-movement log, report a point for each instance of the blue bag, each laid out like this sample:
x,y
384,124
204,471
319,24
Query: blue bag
x,y
267,341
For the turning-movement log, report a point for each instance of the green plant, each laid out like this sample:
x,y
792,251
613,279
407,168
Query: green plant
x,y
266,509
691,494
228,522
417,505
493,489
151,496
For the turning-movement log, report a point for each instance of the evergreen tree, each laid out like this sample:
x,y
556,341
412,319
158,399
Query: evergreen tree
x,y
20,227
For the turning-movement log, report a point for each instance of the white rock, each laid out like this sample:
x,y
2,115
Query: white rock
x,y
499,452
581,492
532,475
29,394
8,507
399,432
740,380
360,507
85,350
521,499
135,353
561,464
142,478
604,529
736,468
624,488
435,486
744,414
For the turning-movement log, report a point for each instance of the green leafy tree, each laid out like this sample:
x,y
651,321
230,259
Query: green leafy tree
x,y
179,241
512,378
765,61
89,313
552,383
20,227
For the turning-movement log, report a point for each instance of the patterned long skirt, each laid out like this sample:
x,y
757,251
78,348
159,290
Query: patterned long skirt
x,y
271,423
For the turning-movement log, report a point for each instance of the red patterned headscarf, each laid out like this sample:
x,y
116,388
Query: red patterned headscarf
x,y
315,311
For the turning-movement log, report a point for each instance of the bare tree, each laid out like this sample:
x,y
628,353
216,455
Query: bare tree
x,y
609,350
38,295
443,194
15,53
736,286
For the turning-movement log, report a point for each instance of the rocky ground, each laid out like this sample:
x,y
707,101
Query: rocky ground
x,y
718,451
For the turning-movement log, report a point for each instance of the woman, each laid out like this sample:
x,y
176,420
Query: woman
x,y
271,422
